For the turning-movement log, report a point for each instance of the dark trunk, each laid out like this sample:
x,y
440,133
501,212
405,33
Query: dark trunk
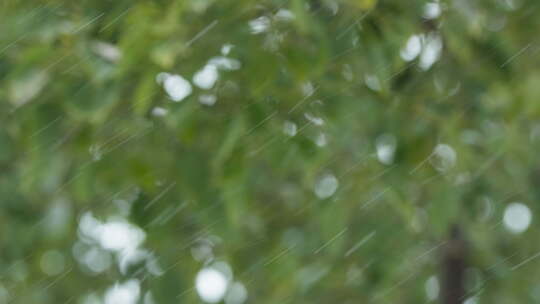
x,y
454,265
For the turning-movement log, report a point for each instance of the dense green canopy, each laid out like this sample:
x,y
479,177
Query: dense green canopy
x,y
275,151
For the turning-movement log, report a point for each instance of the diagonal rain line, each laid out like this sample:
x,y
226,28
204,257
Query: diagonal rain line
x,y
382,173
68,182
534,256
486,165
185,292
279,255
112,138
405,67
516,55
385,293
430,250
350,27
166,215
142,133
261,123
45,127
12,43
355,165
360,243
335,57
50,66
116,19
376,197
58,279
160,195
138,134
303,100
331,240
298,132
432,178
421,163
31,13
202,33
88,23
266,144
76,64
500,262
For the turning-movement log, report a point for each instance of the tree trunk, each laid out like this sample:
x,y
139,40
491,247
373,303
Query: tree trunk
x,y
453,268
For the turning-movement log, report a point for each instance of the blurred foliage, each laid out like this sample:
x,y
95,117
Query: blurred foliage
x,y
322,98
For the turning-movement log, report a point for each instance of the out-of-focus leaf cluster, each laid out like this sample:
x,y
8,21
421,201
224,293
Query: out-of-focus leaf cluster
x,y
325,165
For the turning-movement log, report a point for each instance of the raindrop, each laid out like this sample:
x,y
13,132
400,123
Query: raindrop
x,y
148,298
412,49
517,217
496,23
225,63
203,251
471,300
160,77
509,4
78,250
206,77
129,257
159,111
97,260
309,275
373,82
226,49
152,266
120,235
27,88
211,285
58,218
535,133
334,7
308,89
326,186
347,72
52,262
224,268
208,99
487,208
290,128
321,140
4,295
177,87
431,51
292,237
284,15
259,25
19,271
91,299
463,178
386,148
443,158
313,119
126,293
432,10
237,294
108,51
432,288
354,276
471,137
89,227
95,152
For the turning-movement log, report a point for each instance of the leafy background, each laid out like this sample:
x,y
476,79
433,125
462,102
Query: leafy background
x,y
340,142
